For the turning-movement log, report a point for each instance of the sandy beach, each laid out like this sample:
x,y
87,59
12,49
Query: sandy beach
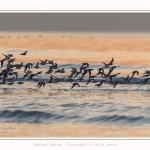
x,y
68,130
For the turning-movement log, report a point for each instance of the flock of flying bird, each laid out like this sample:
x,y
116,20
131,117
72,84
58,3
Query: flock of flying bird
x,y
9,75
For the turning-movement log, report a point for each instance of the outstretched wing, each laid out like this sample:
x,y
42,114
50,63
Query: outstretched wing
x,y
78,84
88,81
36,64
110,71
41,60
25,68
111,60
45,60
115,84
89,74
127,77
104,63
21,64
73,85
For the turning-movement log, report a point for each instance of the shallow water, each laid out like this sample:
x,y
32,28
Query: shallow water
x,y
126,105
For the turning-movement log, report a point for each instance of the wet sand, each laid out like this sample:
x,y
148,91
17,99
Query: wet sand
x,y
68,130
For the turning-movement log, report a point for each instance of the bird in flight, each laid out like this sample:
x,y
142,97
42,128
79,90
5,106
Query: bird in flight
x,y
75,84
25,53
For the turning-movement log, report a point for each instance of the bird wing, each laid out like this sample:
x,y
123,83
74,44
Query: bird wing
x,y
103,82
45,60
72,86
16,75
111,60
43,84
41,60
115,84
127,77
21,64
38,84
36,65
104,63
51,78
88,81
89,74
25,68
24,53
2,62
52,62
102,69
115,74
132,74
97,85
5,56
147,80
76,74
31,65
110,78
110,70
